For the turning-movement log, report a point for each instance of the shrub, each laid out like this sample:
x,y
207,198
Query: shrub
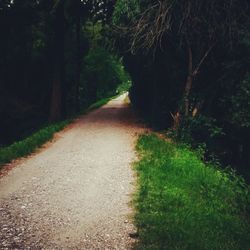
x,y
197,130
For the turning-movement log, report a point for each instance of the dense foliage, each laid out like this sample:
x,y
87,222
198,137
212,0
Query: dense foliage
x,y
190,64
30,144
49,52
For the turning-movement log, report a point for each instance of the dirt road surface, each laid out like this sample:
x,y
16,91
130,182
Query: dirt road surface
x,y
75,193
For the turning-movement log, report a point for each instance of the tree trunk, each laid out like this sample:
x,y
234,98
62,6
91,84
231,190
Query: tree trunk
x,y
78,57
57,96
188,86
189,81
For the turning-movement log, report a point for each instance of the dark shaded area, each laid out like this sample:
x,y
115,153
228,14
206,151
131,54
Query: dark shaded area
x,y
24,74
156,93
46,48
213,112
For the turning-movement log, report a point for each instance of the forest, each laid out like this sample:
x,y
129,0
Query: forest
x,y
185,64
188,62
56,59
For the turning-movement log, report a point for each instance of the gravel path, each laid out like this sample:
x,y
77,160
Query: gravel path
x,y
74,193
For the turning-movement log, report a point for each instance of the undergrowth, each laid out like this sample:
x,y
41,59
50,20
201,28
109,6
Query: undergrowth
x,y
183,203
30,144
99,103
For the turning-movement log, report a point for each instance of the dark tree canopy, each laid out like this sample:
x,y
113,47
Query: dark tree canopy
x,y
189,62
43,46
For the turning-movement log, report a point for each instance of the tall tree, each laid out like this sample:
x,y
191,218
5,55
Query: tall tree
x,y
57,106
196,26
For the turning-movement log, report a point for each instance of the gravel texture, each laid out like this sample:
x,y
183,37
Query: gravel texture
x,y
75,192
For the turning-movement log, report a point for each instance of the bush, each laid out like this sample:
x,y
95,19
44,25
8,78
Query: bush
x,y
200,131
240,105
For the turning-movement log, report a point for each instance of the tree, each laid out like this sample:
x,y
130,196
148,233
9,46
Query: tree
x,y
194,26
57,96
191,59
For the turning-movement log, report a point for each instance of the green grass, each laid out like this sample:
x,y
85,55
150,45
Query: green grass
x,y
30,144
99,103
183,203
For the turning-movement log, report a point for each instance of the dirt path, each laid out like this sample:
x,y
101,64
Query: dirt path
x,y
75,193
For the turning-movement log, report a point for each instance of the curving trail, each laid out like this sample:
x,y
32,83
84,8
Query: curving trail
x,y
74,193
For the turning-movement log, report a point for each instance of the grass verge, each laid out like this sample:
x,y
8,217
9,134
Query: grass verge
x,y
99,103
30,144
183,203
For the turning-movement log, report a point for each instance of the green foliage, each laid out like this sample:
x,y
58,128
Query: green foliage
x,y
30,144
125,11
160,40
195,130
125,85
45,42
240,104
105,72
99,103
183,203
94,33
